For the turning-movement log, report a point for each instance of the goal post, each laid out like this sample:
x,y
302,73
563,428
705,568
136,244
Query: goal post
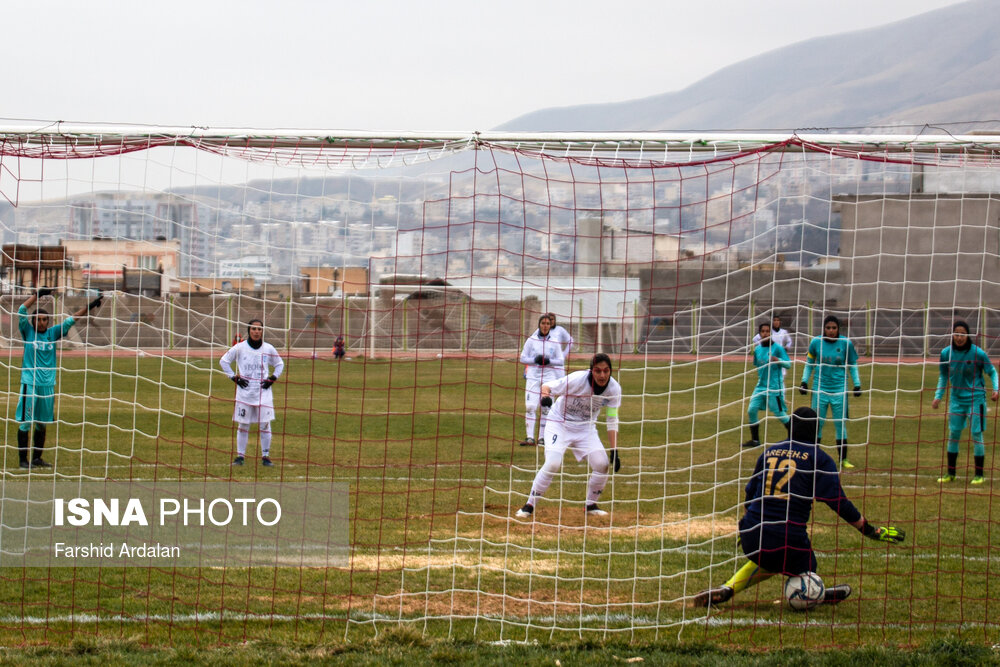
x,y
399,275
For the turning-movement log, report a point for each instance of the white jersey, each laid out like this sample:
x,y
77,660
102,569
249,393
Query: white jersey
x,y
779,336
253,365
547,347
560,335
577,406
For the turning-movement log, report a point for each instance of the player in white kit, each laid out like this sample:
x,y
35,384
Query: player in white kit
x,y
580,397
258,367
542,356
559,334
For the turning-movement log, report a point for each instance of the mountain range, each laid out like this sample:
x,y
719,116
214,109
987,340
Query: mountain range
x,y
935,68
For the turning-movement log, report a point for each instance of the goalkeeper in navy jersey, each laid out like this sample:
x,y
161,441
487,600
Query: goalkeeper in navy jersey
x,y
35,405
580,397
786,480
831,357
771,361
258,367
963,365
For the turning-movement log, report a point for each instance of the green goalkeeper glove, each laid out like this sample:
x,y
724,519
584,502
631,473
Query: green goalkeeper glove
x,y
889,534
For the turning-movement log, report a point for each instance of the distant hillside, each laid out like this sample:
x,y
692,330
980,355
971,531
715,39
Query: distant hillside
x,y
933,68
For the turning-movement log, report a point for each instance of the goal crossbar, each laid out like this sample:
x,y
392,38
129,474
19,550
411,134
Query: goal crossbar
x,y
143,136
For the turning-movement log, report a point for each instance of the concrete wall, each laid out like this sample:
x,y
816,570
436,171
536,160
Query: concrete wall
x,y
919,250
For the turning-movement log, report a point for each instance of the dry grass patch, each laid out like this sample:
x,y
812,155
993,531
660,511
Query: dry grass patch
x,y
499,605
439,561
551,523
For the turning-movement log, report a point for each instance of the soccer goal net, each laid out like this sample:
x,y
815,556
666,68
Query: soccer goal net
x,y
399,278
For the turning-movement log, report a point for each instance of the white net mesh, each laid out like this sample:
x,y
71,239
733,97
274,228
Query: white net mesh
x,y
432,258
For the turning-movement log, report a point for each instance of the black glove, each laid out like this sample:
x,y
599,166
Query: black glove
x,y
539,359
96,303
803,388
43,291
546,401
242,383
857,391
883,534
546,361
615,459
266,384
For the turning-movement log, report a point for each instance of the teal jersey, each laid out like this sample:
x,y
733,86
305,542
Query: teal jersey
x,y
769,360
964,370
831,359
38,366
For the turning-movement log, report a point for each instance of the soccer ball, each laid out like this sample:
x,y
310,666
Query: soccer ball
x,y
804,591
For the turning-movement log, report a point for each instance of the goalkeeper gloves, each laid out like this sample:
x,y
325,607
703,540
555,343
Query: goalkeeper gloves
x,y
883,533
266,384
857,391
242,383
804,388
546,401
615,459
96,303
539,359
43,291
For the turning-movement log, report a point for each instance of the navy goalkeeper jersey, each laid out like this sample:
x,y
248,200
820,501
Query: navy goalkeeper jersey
x,y
787,478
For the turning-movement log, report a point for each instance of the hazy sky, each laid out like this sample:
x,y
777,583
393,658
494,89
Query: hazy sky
x,y
392,65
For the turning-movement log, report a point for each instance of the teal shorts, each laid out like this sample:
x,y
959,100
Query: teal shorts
x,y
835,403
36,404
773,401
962,412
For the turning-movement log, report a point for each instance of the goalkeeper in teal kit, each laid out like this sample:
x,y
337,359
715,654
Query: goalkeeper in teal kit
x,y
962,365
38,374
770,359
831,356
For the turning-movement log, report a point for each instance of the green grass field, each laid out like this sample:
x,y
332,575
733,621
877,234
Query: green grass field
x,y
427,449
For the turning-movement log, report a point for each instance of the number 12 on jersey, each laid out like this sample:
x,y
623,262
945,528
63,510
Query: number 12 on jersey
x,y
779,473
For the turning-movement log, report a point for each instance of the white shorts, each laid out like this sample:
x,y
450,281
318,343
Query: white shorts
x,y
253,414
532,393
558,439
533,387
